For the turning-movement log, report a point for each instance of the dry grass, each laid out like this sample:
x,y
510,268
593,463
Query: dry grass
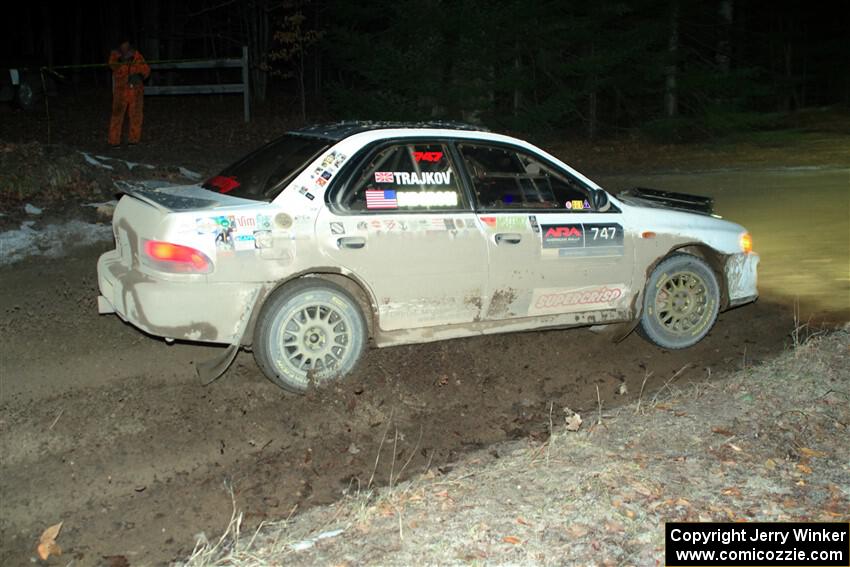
x,y
767,443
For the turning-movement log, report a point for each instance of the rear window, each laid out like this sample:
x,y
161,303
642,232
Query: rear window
x,y
262,174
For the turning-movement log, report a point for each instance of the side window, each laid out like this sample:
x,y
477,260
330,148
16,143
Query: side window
x,y
508,178
406,177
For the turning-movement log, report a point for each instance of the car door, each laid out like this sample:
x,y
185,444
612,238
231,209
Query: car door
x,y
403,224
551,252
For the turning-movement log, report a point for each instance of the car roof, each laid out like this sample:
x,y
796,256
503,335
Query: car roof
x,y
338,131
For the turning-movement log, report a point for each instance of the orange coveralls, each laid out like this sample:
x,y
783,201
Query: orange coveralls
x,y
126,97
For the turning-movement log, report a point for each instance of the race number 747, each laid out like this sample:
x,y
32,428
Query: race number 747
x,y
604,233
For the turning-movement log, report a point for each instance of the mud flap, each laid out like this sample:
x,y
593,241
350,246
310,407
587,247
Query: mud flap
x,y
211,370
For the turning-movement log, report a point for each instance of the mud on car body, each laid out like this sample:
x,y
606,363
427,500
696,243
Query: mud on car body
x,y
333,237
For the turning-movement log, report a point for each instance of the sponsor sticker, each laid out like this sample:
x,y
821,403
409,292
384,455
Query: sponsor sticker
x,y
337,228
244,242
585,239
577,205
505,222
563,236
392,199
428,156
559,300
282,220
414,178
263,238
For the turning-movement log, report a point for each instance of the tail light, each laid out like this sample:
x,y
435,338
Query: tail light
x,y
175,258
746,243
222,183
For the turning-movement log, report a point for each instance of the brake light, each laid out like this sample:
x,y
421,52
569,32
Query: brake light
x,y
170,257
223,184
746,243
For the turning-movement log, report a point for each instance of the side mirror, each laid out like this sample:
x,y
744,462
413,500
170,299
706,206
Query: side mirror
x,y
600,201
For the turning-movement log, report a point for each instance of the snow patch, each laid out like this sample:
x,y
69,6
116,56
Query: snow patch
x,y
32,210
92,161
52,241
189,174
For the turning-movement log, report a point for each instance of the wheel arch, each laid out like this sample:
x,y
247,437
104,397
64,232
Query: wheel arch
x,y
346,280
715,260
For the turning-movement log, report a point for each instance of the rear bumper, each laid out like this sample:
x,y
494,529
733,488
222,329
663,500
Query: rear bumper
x,y
742,278
188,310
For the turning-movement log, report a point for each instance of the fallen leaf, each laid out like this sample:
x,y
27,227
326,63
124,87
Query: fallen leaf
x,y
522,521
735,447
574,422
721,431
614,526
731,491
512,540
805,469
577,530
811,452
116,561
630,514
770,464
47,542
623,389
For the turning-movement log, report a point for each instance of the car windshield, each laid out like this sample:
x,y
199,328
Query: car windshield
x,y
261,175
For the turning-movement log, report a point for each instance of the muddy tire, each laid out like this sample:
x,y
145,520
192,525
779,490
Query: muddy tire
x,y
681,302
309,331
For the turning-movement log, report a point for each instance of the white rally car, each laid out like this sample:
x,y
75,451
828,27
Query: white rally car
x,y
331,236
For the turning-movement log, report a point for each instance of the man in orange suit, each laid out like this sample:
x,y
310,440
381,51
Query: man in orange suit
x,y
129,71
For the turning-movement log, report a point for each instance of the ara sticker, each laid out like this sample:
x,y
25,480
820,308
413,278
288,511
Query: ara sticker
x,y
588,239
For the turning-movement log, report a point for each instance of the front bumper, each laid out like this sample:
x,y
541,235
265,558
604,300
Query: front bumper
x,y
742,278
193,310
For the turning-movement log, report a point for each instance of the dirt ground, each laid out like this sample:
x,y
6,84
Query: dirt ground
x,y
108,430
743,447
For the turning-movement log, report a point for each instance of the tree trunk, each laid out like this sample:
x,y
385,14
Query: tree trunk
x,y
517,102
592,101
671,99
724,40
256,17
47,35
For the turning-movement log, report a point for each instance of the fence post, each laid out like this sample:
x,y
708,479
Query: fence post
x,y
246,94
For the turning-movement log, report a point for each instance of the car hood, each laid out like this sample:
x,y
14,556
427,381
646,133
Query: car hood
x,y
658,199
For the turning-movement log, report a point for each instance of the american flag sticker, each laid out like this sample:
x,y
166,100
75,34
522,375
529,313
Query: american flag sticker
x,y
381,199
383,177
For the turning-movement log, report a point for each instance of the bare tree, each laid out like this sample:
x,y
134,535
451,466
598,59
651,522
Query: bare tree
x,y
671,99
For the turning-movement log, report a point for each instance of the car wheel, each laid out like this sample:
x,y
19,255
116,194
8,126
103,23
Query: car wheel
x,y
309,331
681,302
